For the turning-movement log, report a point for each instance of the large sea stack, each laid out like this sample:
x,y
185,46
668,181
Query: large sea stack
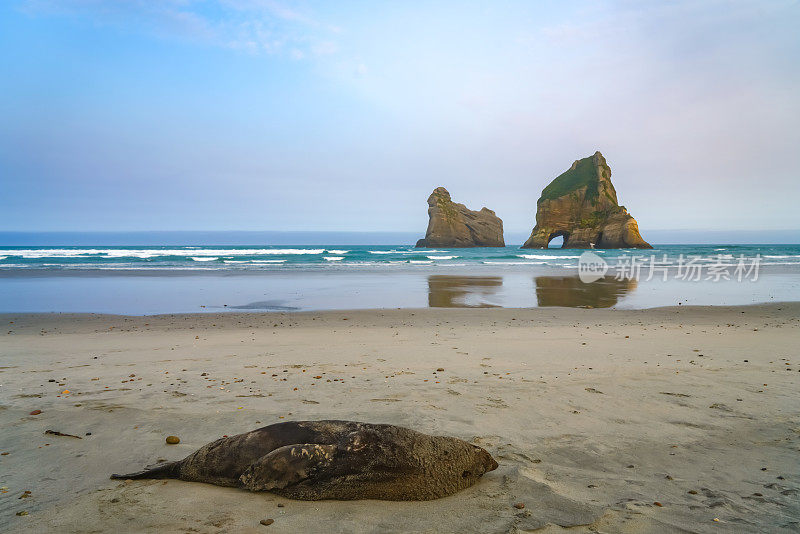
x,y
581,205
452,225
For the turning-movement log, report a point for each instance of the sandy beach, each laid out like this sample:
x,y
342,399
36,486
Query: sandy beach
x,y
681,419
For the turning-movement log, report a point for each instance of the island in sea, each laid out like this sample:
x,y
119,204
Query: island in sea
x,y
581,206
453,225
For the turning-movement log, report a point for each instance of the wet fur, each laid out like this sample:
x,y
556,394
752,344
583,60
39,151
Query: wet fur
x,y
313,460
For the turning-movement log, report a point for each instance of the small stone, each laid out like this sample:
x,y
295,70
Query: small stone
x,y
631,466
173,440
440,369
36,412
692,492
114,500
658,504
519,505
280,505
22,513
267,522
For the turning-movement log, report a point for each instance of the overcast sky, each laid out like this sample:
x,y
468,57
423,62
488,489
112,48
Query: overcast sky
x,y
272,115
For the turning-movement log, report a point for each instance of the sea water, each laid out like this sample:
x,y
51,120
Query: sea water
x,y
139,279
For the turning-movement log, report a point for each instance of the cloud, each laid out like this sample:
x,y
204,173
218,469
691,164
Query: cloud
x,y
693,103
254,26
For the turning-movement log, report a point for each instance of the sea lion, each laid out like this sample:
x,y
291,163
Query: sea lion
x,y
313,460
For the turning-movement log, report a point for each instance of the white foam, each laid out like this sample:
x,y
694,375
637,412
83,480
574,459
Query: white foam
x,y
420,261
441,257
337,251
514,262
254,262
401,251
3,257
545,256
334,258
152,253
212,258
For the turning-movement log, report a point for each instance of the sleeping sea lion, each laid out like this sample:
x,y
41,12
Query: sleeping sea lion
x,y
313,460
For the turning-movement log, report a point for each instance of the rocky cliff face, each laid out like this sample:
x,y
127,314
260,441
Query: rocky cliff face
x,y
452,225
582,206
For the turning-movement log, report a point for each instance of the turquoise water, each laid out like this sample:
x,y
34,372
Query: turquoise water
x,y
142,280
359,257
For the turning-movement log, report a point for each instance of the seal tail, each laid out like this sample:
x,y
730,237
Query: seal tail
x,y
167,470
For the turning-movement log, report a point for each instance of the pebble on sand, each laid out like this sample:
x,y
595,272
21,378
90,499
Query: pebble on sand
x,y
519,505
267,522
173,440
36,412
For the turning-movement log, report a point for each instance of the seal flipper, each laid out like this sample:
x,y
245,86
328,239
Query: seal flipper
x,y
286,466
167,470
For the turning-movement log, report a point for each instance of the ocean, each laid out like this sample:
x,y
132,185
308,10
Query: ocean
x,y
148,279
282,258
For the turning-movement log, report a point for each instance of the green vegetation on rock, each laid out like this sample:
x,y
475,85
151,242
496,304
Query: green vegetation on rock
x,y
448,211
597,218
583,175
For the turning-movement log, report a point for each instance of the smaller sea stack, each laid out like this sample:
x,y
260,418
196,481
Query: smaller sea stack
x,y
453,225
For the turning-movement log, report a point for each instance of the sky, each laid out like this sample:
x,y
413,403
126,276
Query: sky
x,y
126,115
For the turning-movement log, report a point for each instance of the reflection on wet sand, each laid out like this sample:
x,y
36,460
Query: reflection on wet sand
x,y
569,291
462,291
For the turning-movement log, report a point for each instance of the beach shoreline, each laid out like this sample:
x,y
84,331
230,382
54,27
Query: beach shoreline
x,y
152,293
603,419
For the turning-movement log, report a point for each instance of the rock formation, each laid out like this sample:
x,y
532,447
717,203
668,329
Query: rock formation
x,y
452,225
581,205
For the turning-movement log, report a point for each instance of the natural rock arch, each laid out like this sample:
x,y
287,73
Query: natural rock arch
x,y
556,235
581,204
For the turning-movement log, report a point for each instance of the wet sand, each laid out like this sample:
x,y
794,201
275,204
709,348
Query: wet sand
x,y
159,291
660,420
